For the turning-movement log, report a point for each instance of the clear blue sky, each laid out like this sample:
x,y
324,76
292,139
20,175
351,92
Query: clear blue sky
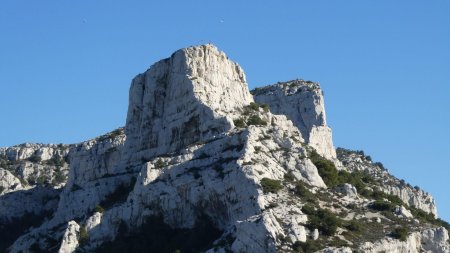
x,y
66,66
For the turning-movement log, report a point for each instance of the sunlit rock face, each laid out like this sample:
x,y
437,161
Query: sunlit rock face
x,y
303,103
411,196
190,97
203,165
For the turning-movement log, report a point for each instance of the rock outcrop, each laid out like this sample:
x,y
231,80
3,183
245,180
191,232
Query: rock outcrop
x,y
412,196
69,242
435,240
40,152
190,97
31,180
202,166
8,182
302,102
430,240
31,177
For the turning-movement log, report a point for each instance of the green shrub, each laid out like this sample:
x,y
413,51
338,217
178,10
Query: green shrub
x,y
377,194
338,243
303,192
254,106
394,200
83,236
35,159
381,205
99,209
355,226
380,165
240,123
272,205
325,221
270,185
56,160
289,177
6,163
256,120
308,209
111,135
352,206
119,195
428,218
332,177
400,233
380,196
354,178
365,192
115,133
307,247
159,164
326,169
41,180
58,178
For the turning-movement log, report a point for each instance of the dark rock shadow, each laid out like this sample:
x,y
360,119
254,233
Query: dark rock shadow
x,y
23,209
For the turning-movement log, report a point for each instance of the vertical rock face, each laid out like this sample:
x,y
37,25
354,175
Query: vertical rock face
x,y
303,103
95,172
187,98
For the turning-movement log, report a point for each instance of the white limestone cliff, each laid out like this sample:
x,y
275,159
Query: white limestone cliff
x,y
302,102
197,152
187,98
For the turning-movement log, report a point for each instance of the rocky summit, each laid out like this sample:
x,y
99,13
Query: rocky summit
x,y
205,165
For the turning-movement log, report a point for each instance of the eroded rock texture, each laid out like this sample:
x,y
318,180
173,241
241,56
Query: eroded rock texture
x,y
204,166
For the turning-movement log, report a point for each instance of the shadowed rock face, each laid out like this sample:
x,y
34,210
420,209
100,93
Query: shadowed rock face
x,y
200,167
31,180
